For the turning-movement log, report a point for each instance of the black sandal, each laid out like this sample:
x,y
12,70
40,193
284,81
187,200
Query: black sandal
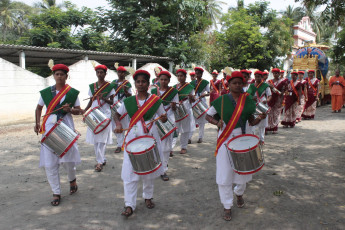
x,y
126,213
56,201
73,188
150,204
227,214
165,177
98,167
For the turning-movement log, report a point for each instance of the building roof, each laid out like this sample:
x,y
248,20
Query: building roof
x,y
39,56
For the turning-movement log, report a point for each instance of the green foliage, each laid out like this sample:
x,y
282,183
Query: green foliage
x,y
338,50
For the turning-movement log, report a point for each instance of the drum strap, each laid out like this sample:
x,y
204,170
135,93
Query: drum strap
x,y
59,113
240,121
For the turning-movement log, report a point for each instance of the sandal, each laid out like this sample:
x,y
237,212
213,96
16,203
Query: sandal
x,y
183,151
227,214
98,167
126,213
73,188
149,203
240,201
171,154
117,150
189,141
56,200
165,177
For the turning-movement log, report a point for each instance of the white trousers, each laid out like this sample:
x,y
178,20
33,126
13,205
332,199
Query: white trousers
x,y
201,130
184,140
262,133
131,189
53,175
119,138
100,152
227,194
190,135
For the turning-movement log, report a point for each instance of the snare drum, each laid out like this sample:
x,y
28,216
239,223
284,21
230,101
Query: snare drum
x,y
199,109
60,138
165,129
115,107
181,111
143,154
246,154
96,120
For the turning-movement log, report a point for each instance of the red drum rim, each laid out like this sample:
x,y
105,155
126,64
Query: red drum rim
x,y
244,150
51,130
196,103
249,172
149,172
203,113
182,118
170,132
70,146
90,112
106,120
137,138
123,116
114,104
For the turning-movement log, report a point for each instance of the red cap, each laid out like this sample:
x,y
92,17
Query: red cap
x,y
275,70
265,73
300,72
234,75
215,73
248,71
60,67
183,71
244,71
311,71
199,68
258,72
164,73
121,68
141,71
294,72
282,71
101,67
191,73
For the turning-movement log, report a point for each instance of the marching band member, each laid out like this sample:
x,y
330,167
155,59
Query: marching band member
x,y
238,108
157,70
169,96
141,109
102,94
275,103
292,101
192,76
214,93
202,90
337,83
313,96
123,90
55,97
246,82
187,125
282,72
304,96
223,85
261,93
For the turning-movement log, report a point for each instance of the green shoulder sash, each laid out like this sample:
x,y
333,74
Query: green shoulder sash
x,y
199,87
132,108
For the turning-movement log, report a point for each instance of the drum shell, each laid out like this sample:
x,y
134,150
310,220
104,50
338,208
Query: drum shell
x,y
165,129
144,161
199,109
246,161
60,138
96,120
181,111
115,107
262,108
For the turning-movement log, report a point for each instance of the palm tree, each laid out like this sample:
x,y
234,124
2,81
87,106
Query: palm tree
x,y
294,13
47,4
214,10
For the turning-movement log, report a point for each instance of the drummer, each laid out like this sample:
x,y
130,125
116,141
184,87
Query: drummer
x,y
157,70
243,111
192,76
169,95
141,108
123,89
60,95
214,89
202,90
102,94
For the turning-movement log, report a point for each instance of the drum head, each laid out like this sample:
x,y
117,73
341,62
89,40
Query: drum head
x,y
140,144
243,143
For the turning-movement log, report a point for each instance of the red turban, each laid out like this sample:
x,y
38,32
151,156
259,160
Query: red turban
x,y
60,67
234,75
164,73
101,67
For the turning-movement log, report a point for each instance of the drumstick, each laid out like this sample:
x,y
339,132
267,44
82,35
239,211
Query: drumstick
x,y
155,120
101,94
52,112
171,101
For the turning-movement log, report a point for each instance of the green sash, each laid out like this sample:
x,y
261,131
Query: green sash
x,y
105,91
122,90
252,89
185,91
168,97
71,97
228,108
202,85
132,108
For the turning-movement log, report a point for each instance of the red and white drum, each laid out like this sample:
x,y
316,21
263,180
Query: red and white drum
x,y
165,129
96,120
245,153
60,138
181,111
144,155
199,109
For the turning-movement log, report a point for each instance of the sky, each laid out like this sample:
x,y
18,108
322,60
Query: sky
x,y
274,4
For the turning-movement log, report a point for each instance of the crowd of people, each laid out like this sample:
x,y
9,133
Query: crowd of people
x,y
233,102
